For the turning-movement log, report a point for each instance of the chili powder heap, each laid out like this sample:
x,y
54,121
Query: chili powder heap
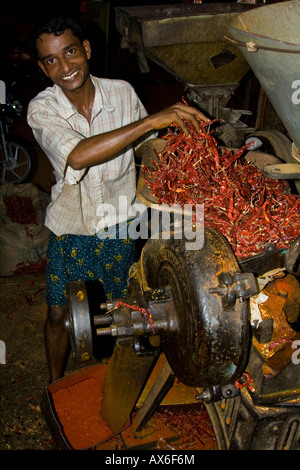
x,y
249,209
78,409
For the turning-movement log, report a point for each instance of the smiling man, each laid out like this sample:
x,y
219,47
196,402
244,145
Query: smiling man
x,y
88,127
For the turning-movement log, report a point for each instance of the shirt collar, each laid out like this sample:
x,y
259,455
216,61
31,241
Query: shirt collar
x,y
101,100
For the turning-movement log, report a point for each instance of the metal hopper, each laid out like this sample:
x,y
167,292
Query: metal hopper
x,y
187,40
270,42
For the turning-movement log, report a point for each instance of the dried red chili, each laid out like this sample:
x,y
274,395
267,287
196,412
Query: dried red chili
x,y
137,309
15,309
249,209
192,425
244,381
275,343
20,209
30,267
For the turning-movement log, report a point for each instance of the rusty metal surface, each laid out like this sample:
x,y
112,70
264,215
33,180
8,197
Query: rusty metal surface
x,y
187,40
212,342
78,322
125,375
163,25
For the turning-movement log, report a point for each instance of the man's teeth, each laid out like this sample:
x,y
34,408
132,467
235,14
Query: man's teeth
x,y
69,77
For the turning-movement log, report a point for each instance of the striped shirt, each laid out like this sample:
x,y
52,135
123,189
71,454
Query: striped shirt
x,y
84,202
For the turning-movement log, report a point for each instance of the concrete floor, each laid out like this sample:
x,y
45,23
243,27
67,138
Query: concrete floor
x,y
24,376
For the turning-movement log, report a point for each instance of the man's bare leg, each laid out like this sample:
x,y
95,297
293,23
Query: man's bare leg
x,y
56,341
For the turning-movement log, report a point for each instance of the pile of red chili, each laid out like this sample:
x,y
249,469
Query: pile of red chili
x,y
192,424
20,209
249,209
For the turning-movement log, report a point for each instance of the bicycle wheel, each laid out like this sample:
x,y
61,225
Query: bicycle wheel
x,y
20,164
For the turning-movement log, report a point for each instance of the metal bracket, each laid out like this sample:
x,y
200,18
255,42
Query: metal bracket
x,y
239,286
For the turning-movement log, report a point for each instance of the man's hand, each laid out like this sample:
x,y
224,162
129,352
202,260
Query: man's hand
x,y
103,147
176,114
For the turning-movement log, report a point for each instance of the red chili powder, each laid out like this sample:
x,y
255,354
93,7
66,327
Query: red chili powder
x,y
78,408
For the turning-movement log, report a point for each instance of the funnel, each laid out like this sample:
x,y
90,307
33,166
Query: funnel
x,y
269,38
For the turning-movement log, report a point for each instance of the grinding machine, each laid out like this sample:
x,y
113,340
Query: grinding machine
x,y
197,307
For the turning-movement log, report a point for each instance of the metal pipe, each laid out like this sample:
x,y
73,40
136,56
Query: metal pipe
x,y
102,319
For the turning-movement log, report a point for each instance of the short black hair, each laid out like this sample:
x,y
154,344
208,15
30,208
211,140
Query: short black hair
x,y
56,25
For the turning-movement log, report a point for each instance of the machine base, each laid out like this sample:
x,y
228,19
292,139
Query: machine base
x,y
240,425
180,423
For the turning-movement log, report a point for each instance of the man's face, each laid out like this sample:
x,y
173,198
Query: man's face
x,y
64,59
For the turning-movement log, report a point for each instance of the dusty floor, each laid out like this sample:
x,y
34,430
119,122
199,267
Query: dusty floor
x,y
24,376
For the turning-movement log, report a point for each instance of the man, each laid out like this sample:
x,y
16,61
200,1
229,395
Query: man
x,y
87,127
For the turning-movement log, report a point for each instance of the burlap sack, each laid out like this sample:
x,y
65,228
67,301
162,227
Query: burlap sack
x,y
22,244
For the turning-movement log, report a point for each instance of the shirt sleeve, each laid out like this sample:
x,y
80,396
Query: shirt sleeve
x,y
56,137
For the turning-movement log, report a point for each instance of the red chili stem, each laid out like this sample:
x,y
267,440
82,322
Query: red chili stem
x,y
279,341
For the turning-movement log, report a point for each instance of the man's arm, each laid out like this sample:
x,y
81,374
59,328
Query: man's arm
x,y
103,147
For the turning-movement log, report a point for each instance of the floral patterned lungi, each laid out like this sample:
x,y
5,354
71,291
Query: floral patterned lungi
x,y
88,258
